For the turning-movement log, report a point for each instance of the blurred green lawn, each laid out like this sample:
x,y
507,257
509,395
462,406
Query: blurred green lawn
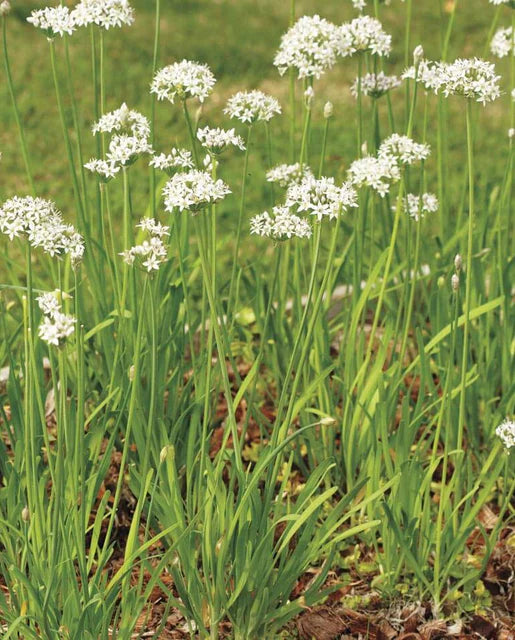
x,y
237,38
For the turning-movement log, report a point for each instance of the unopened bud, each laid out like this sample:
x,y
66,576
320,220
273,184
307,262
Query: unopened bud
x,y
163,455
458,262
328,109
364,148
327,421
418,54
440,282
5,7
25,514
309,96
511,133
455,282
132,372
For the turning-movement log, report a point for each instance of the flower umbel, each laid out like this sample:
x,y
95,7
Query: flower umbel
x,y
288,174
321,198
506,432
252,106
311,47
53,20
185,79
56,325
103,13
193,190
151,253
280,225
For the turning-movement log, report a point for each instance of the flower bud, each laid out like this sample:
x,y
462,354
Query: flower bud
x,y
163,454
441,282
511,133
5,7
328,110
458,262
455,282
364,148
132,373
25,514
418,54
327,421
309,96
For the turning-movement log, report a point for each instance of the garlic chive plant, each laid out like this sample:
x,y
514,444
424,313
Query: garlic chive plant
x,y
270,335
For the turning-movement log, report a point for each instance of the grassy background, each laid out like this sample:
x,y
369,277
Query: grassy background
x,y
237,38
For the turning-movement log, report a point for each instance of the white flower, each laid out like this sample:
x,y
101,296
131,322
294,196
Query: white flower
x,y
174,161
375,85
123,120
106,170
364,34
375,172
252,106
56,326
426,73
418,205
472,78
41,222
193,190
310,46
287,174
5,7
217,140
321,198
53,20
403,149
185,79
359,4
503,43
49,302
506,432
151,253
498,2
104,13
125,149
282,224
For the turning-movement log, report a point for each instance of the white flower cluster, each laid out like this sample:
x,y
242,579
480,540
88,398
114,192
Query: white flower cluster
x,y
252,106
506,432
416,206
53,20
280,225
185,79
503,43
172,162
216,140
5,7
56,325
321,198
193,190
378,173
511,3
41,222
288,174
403,149
472,78
152,251
128,142
123,120
365,34
104,13
469,77
426,73
310,46
375,85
